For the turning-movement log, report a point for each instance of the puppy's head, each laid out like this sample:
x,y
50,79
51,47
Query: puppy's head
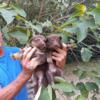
x,y
53,41
38,41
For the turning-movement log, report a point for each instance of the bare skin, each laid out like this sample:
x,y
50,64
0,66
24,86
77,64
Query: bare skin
x,y
7,93
60,56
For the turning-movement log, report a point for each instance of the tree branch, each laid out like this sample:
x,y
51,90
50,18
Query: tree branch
x,y
41,9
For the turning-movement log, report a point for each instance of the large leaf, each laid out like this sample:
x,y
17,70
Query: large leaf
x,y
83,26
64,37
96,13
64,86
8,15
38,93
80,73
83,89
59,79
50,92
91,86
97,80
44,94
20,36
86,54
19,11
80,97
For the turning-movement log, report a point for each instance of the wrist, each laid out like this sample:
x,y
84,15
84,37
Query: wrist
x,y
26,74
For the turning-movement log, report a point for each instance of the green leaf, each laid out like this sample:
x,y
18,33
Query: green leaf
x,y
8,15
91,86
67,23
38,93
81,35
38,28
97,80
71,29
78,72
59,79
64,37
96,13
80,97
82,89
50,92
46,24
19,11
82,74
3,5
83,26
64,86
20,36
44,94
94,98
86,54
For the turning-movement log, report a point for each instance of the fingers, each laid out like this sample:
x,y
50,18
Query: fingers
x,y
26,50
64,47
58,58
33,63
60,52
28,53
60,55
56,54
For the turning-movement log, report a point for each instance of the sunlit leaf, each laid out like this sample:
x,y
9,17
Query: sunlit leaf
x,y
19,11
86,54
83,26
46,24
44,94
96,13
64,86
38,93
50,92
59,79
8,15
80,97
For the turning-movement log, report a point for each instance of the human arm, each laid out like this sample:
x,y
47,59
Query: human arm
x,y
8,92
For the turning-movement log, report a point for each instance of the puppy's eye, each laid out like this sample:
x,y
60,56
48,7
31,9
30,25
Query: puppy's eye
x,y
37,39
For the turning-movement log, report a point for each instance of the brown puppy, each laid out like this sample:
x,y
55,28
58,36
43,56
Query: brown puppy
x,y
52,43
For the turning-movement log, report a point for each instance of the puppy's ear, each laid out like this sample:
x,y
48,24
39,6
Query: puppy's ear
x,y
46,40
60,37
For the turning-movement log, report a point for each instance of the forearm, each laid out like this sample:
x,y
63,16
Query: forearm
x,y
7,93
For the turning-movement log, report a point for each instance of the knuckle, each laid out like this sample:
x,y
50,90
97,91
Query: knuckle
x,y
60,59
23,64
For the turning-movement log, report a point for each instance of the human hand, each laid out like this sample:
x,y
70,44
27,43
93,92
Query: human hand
x,y
60,56
28,63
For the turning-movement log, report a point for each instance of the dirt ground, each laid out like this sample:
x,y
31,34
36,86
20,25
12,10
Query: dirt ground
x,y
69,76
